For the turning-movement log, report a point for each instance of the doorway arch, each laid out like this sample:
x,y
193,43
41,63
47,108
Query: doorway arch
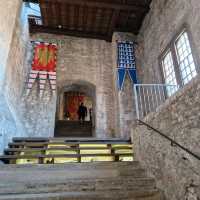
x,y
81,88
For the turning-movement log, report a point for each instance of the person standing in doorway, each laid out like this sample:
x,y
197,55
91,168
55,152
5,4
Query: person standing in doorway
x,y
90,111
82,112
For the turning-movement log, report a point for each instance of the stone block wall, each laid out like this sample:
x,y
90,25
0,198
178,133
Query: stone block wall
x,y
83,60
164,21
177,173
92,62
12,53
124,104
179,117
8,14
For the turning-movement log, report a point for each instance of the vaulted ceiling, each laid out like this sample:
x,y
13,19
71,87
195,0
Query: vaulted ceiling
x,y
90,18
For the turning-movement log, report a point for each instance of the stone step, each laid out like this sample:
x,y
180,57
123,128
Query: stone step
x,y
78,185
35,143
71,166
29,150
148,194
21,175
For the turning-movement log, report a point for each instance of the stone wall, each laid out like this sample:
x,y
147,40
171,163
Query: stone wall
x,y
124,104
8,23
179,118
84,60
16,72
163,22
88,62
12,51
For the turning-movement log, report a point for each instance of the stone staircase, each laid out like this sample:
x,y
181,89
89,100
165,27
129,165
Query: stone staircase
x,y
66,150
65,128
107,179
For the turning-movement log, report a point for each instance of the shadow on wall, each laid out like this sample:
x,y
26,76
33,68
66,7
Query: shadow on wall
x,y
8,127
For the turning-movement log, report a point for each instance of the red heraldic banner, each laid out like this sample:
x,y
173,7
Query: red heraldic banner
x,y
43,66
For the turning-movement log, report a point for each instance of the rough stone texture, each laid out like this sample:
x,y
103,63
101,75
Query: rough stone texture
x,y
38,114
6,31
176,172
124,104
163,22
93,180
11,58
179,117
85,60
7,124
16,72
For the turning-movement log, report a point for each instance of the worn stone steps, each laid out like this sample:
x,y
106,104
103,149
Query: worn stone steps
x,y
71,166
91,180
151,194
47,172
63,150
79,185
119,177
80,139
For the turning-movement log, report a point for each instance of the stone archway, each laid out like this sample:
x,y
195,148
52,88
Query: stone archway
x,y
76,87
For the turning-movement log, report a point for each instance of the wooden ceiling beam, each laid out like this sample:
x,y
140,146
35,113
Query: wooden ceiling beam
x,y
64,31
115,16
85,18
99,22
115,6
31,1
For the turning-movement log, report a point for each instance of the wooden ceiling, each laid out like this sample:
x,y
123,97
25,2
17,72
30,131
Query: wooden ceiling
x,y
91,18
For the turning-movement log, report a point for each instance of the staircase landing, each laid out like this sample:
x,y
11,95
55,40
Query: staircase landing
x,y
66,128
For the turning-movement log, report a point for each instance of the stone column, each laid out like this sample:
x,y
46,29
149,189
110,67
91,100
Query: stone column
x,y
124,100
9,12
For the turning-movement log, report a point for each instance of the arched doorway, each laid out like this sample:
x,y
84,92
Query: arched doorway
x,y
69,99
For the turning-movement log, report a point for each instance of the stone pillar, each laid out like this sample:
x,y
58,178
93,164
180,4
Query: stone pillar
x,y
9,12
124,104
61,106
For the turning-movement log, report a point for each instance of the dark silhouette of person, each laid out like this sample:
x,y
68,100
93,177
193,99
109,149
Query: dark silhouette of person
x,y
90,111
82,112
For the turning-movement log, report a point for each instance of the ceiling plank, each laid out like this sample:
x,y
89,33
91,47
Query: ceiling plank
x,y
85,18
75,33
115,16
100,17
117,6
43,8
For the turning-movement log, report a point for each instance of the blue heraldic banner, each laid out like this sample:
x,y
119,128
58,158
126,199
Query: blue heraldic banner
x,y
126,63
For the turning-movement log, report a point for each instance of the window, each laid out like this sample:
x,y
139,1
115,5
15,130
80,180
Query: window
x,y
29,9
178,64
169,73
185,58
